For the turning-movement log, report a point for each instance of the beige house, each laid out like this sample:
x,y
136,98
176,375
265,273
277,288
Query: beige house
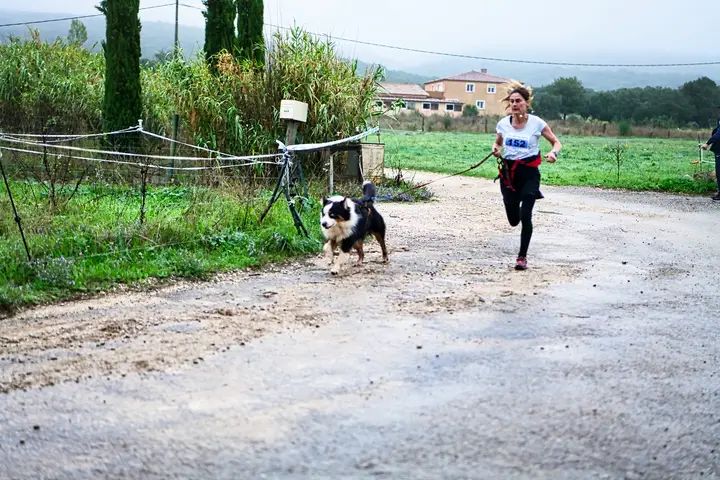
x,y
398,97
481,89
446,95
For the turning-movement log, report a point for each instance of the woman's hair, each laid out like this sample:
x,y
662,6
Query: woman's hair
x,y
525,91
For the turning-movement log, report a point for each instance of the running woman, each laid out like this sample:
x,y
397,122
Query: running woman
x,y
518,146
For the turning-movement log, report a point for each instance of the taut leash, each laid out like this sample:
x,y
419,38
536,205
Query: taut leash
x,y
472,167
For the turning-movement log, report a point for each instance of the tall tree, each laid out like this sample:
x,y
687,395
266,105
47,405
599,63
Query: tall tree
x,y
703,95
77,35
571,93
219,29
122,104
251,43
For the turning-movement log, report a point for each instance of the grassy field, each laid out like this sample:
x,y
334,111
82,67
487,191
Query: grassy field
x,y
94,241
646,164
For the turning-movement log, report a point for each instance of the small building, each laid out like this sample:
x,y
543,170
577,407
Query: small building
x,y
397,97
481,89
446,95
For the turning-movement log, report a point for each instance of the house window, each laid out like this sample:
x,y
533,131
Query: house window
x,y
480,104
426,106
410,105
434,106
491,88
469,88
450,107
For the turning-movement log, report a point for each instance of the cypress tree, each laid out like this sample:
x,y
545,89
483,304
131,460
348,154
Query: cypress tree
x,y
122,104
251,43
219,29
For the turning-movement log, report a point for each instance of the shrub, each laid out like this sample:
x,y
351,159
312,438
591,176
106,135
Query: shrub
x,y
624,128
470,111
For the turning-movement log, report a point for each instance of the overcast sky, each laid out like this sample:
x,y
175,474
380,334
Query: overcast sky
x,y
607,31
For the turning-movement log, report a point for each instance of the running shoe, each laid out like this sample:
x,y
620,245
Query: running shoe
x,y
521,263
716,197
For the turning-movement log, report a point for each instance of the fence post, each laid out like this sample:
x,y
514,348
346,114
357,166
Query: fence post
x,y
12,203
173,145
331,173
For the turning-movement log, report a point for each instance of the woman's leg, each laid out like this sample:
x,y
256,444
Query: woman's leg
x,y
526,209
512,210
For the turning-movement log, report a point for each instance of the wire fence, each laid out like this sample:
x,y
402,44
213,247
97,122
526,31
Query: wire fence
x,y
138,185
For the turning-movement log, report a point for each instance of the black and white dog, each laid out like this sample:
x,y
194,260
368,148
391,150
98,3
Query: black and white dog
x,y
346,222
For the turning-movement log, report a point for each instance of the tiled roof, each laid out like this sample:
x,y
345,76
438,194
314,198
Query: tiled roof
x,y
473,76
402,90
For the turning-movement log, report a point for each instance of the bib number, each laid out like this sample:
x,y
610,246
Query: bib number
x,y
516,143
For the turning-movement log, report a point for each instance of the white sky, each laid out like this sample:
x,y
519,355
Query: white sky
x,y
607,31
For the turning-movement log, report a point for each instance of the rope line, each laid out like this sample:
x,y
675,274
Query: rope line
x,y
286,151
307,147
128,154
196,147
143,165
70,137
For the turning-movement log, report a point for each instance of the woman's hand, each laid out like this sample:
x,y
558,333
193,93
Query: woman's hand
x,y
551,156
496,150
704,146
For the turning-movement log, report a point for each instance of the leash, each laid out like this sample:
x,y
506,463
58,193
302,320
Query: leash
x,y
451,175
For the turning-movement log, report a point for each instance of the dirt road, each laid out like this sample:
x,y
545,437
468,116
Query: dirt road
x,y
600,361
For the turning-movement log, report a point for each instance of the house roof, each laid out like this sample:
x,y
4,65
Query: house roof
x,y
473,76
402,90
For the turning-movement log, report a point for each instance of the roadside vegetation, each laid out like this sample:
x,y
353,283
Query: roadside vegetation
x,y
94,241
86,225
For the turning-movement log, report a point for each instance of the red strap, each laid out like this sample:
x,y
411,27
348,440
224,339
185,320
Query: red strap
x,y
511,166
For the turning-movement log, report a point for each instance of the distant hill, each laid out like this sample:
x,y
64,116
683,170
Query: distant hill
x,y
591,77
396,76
155,37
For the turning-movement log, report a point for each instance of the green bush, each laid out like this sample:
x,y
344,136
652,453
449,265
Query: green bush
x,y
624,128
50,87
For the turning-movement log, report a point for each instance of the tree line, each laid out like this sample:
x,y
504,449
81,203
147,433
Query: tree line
x,y
692,105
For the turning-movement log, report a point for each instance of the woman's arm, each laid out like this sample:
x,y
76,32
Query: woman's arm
x,y
556,145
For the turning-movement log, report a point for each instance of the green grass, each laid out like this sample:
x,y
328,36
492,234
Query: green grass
x,y
648,164
95,241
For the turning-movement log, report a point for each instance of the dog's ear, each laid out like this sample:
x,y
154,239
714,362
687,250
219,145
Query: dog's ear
x,y
348,204
325,201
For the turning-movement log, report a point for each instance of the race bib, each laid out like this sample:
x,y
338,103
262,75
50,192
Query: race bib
x,y
517,142
517,146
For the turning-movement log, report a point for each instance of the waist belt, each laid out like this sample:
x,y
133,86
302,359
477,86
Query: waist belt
x,y
507,168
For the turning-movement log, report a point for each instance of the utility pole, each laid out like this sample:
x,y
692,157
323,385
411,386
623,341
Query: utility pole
x,y
176,117
176,45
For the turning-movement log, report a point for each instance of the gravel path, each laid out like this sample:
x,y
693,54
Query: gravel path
x,y
600,361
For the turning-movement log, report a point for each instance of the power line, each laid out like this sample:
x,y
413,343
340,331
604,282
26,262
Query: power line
x,y
76,17
507,60
414,50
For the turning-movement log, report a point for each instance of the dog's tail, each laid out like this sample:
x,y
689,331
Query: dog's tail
x,y
369,193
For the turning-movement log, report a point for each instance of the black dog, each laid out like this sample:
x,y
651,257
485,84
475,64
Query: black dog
x,y
346,222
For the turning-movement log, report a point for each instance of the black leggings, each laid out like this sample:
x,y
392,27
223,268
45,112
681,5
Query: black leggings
x,y
521,211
